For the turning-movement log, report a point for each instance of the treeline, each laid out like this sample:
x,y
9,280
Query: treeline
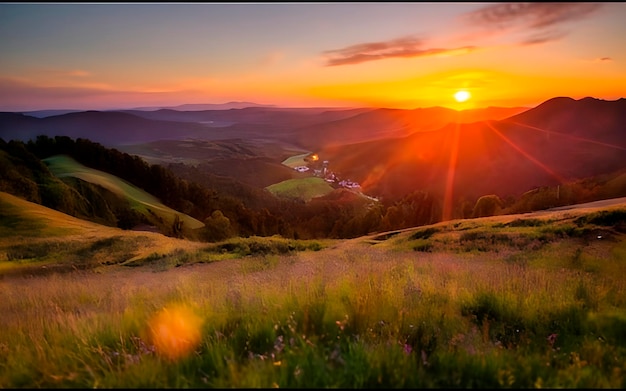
x,y
230,208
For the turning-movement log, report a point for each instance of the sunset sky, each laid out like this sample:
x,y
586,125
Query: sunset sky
x,y
396,55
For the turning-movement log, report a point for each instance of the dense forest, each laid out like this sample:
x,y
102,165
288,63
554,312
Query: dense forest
x,y
230,208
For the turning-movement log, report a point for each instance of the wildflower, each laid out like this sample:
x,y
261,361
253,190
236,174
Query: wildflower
x,y
407,348
278,344
552,339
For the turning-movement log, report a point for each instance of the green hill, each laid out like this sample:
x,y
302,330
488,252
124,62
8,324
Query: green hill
x,y
303,189
64,166
35,239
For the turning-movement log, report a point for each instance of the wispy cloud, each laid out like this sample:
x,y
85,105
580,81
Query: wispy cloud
x,y
543,37
396,48
531,15
541,21
71,73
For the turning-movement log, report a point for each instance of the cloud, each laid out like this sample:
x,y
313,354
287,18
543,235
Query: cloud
x,y
540,22
543,37
64,73
530,15
405,47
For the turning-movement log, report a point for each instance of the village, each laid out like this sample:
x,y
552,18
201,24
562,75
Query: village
x,y
320,169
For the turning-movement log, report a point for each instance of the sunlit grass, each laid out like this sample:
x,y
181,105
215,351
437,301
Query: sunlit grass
x,y
268,312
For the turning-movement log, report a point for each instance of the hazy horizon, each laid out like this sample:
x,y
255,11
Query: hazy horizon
x,y
394,55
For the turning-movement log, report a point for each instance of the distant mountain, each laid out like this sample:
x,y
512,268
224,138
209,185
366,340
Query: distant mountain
x,y
107,128
206,106
48,113
278,118
560,140
392,123
309,128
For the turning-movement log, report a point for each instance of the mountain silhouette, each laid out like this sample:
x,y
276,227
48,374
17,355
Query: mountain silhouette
x,y
560,140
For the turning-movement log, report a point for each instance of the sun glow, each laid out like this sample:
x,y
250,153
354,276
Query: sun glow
x,y
462,96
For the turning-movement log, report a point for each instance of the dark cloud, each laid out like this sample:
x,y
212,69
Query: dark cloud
x,y
396,48
531,15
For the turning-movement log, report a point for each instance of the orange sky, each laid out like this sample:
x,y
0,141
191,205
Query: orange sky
x,y
403,55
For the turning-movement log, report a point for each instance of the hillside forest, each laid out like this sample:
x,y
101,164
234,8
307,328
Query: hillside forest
x,y
230,208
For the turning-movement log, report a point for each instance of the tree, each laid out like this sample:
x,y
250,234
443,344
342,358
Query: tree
x,y
487,205
217,227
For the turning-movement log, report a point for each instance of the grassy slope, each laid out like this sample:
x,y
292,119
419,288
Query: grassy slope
x,y
63,166
304,189
32,235
524,301
295,161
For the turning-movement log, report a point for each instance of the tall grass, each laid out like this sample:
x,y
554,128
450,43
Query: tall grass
x,y
358,316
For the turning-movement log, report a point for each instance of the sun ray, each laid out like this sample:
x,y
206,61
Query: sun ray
x,y
449,189
526,154
568,136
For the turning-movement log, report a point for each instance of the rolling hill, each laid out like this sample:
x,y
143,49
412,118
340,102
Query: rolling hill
x,y
380,124
559,141
65,166
36,239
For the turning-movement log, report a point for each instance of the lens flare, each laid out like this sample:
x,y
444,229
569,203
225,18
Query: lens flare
x,y
175,331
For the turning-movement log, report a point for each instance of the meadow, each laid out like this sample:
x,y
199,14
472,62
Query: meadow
x,y
301,188
65,166
524,301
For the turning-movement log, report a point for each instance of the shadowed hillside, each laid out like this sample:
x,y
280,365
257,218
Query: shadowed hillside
x,y
559,141
382,124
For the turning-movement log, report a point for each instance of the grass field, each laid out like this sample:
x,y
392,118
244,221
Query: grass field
x,y
295,161
301,188
525,301
64,166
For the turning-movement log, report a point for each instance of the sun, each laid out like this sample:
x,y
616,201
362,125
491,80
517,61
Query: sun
x,y
462,96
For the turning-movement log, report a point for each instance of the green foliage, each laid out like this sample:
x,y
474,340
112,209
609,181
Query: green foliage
x,y
484,241
422,246
217,227
263,246
139,200
424,233
526,223
606,218
487,205
301,188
